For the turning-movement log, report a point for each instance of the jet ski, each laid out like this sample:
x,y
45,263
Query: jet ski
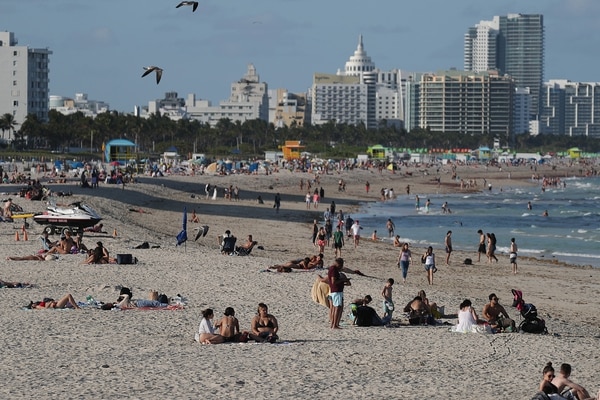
x,y
76,216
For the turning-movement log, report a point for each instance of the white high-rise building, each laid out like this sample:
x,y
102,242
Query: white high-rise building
x,y
481,46
360,93
23,80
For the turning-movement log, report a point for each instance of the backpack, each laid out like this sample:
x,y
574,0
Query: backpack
x,y
529,311
534,325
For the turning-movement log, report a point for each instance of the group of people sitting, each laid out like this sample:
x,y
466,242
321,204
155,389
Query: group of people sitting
x,y
263,327
227,243
560,387
495,320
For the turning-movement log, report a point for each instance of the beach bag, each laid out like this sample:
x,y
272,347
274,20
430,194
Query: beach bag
x,y
535,325
124,259
163,298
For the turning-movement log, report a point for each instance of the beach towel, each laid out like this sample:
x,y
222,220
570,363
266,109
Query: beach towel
x,y
320,292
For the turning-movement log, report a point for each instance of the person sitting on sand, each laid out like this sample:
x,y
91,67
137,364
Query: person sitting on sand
x,y
497,316
99,255
206,333
432,306
79,247
229,327
95,229
418,312
194,218
561,381
67,301
397,242
546,385
65,245
468,321
264,326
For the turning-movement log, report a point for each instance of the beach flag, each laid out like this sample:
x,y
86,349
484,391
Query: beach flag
x,y
182,236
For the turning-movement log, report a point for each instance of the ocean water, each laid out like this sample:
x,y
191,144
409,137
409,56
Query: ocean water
x,y
570,232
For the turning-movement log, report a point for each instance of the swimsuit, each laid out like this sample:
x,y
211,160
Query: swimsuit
x,y
269,325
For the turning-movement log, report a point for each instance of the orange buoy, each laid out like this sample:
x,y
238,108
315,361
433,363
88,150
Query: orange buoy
x,y
17,236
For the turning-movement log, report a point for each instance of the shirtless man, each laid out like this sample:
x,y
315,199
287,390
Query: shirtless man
x,y
496,315
481,249
561,380
64,246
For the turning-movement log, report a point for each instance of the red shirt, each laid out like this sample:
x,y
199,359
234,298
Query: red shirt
x,y
333,275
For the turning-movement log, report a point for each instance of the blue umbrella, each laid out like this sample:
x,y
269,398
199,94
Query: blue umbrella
x,y
182,236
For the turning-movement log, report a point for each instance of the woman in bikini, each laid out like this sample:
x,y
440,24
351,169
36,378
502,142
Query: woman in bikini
x,y
264,325
229,327
67,301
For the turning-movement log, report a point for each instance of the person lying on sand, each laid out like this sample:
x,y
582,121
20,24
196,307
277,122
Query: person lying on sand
x,y
33,257
67,301
315,261
12,285
95,229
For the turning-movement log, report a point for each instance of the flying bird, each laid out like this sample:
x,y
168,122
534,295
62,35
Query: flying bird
x,y
151,69
194,4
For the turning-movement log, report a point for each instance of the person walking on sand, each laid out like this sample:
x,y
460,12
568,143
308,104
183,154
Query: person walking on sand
x,y
481,248
338,241
404,260
430,268
355,228
513,255
448,244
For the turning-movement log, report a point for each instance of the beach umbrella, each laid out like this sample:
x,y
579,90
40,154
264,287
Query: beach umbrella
x,y
182,236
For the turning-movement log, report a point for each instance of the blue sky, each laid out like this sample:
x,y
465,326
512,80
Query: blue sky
x,y
99,47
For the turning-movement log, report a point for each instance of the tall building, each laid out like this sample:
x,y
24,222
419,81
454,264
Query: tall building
x,y
23,80
466,102
518,43
570,108
360,93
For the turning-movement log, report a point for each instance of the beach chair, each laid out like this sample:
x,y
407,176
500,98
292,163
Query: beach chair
x,y
242,251
228,245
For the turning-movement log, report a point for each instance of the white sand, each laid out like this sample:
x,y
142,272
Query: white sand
x,y
147,354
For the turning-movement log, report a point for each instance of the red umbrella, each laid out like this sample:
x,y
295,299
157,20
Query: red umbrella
x,y
115,163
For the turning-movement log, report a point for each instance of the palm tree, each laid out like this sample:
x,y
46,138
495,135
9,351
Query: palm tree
x,y
7,123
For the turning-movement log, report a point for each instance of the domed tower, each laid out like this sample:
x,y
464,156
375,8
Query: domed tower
x,y
360,62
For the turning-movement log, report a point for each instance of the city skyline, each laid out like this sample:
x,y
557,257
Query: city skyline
x,y
99,51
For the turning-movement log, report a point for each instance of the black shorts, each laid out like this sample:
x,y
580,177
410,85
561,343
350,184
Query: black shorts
x,y
481,248
337,245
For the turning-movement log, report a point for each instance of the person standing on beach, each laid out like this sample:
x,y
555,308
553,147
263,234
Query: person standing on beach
x,y
390,227
308,199
315,232
338,241
513,255
417,202
481,249
388,303
448,243
277,202
336,281
367,186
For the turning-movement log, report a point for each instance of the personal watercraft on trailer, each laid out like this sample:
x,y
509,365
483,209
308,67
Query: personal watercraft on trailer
x,y
74,217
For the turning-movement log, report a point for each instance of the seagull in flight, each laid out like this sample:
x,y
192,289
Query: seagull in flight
x,y
194,4
152,69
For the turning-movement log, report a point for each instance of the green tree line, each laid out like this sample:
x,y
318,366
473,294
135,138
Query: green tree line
x,y
251,138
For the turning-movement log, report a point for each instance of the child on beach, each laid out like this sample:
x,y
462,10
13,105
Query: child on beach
x,y
388,304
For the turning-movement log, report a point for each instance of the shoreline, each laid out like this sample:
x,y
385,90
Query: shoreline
x,y
103,354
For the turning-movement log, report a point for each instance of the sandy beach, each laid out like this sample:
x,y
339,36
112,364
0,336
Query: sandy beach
x,y
144,354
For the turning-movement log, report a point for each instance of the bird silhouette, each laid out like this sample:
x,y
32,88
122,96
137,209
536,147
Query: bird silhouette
x,y
151,69
194,4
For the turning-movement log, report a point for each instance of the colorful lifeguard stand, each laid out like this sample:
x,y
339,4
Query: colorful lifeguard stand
x,y
120,150
292,150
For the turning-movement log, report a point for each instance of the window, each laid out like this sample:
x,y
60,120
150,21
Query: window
x,y
15,103
14,83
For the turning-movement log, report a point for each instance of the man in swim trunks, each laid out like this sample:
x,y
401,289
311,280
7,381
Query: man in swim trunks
x,y
336,281
448,243
496,315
